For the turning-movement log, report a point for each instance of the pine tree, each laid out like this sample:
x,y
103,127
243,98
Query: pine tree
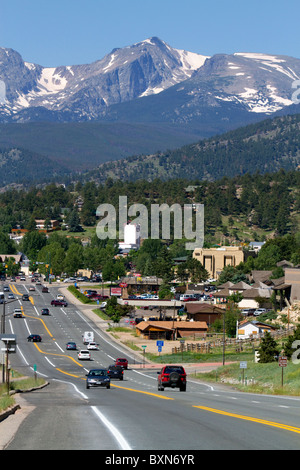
x,y
268,350
291,345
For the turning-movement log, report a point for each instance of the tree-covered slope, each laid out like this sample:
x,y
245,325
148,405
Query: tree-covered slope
x,y
263,147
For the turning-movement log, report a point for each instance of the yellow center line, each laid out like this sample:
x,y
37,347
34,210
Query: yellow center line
x,y
140,391
14,289
249,418
56,354
41,320
67,373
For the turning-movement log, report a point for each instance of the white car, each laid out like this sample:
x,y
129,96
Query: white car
x,y
93,346
259,311
84,355
18,313
60,297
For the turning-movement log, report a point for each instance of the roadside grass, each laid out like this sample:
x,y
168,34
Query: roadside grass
x,y
257,378
22,384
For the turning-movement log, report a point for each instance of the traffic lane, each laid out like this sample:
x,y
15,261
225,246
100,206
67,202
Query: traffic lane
x,y
215,402
53,346
231,431
282,410
48,351
165,421
80,323
169,421
62,420
65,366
203,401
108,346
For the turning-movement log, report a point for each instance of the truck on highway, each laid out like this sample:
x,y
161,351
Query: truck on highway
x,y
88,337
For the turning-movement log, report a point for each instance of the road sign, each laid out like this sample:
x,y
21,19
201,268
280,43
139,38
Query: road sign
x,y
243,365
282,361
159,343
10,342
144,347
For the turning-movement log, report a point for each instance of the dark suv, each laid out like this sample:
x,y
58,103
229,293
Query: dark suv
x,y
172,376
34,338
59,303
115,372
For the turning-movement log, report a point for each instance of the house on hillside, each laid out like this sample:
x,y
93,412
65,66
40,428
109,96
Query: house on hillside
x,y
253,329
40,224
250,294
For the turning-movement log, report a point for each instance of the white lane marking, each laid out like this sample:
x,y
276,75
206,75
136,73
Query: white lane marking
x,y
116,434
49,361
25,321
70,383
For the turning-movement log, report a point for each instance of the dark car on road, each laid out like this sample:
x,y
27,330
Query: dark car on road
x,y
115,372
97,378
59,303
25,297
45,311
172,376
71,346
34,338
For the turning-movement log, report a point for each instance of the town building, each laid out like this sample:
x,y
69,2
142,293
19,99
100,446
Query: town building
x,y
171,330
132,240
214,260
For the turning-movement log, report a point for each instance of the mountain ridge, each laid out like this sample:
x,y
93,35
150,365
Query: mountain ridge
x,y
257,82
263,147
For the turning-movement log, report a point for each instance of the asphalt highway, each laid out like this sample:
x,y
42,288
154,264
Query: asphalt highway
x,y
132,415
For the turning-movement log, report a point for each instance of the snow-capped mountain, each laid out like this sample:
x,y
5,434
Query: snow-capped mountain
x,y
261,82
187,87
82,92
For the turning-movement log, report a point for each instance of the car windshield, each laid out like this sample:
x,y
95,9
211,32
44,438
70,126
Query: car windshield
x,y
98,373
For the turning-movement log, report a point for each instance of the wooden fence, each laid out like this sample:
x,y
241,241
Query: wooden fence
x,y
207,346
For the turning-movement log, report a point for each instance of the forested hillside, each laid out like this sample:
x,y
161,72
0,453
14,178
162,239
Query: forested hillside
x,y
263,147
268,202
237,210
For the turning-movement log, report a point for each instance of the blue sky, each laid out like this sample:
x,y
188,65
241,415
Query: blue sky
x,y
69,32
